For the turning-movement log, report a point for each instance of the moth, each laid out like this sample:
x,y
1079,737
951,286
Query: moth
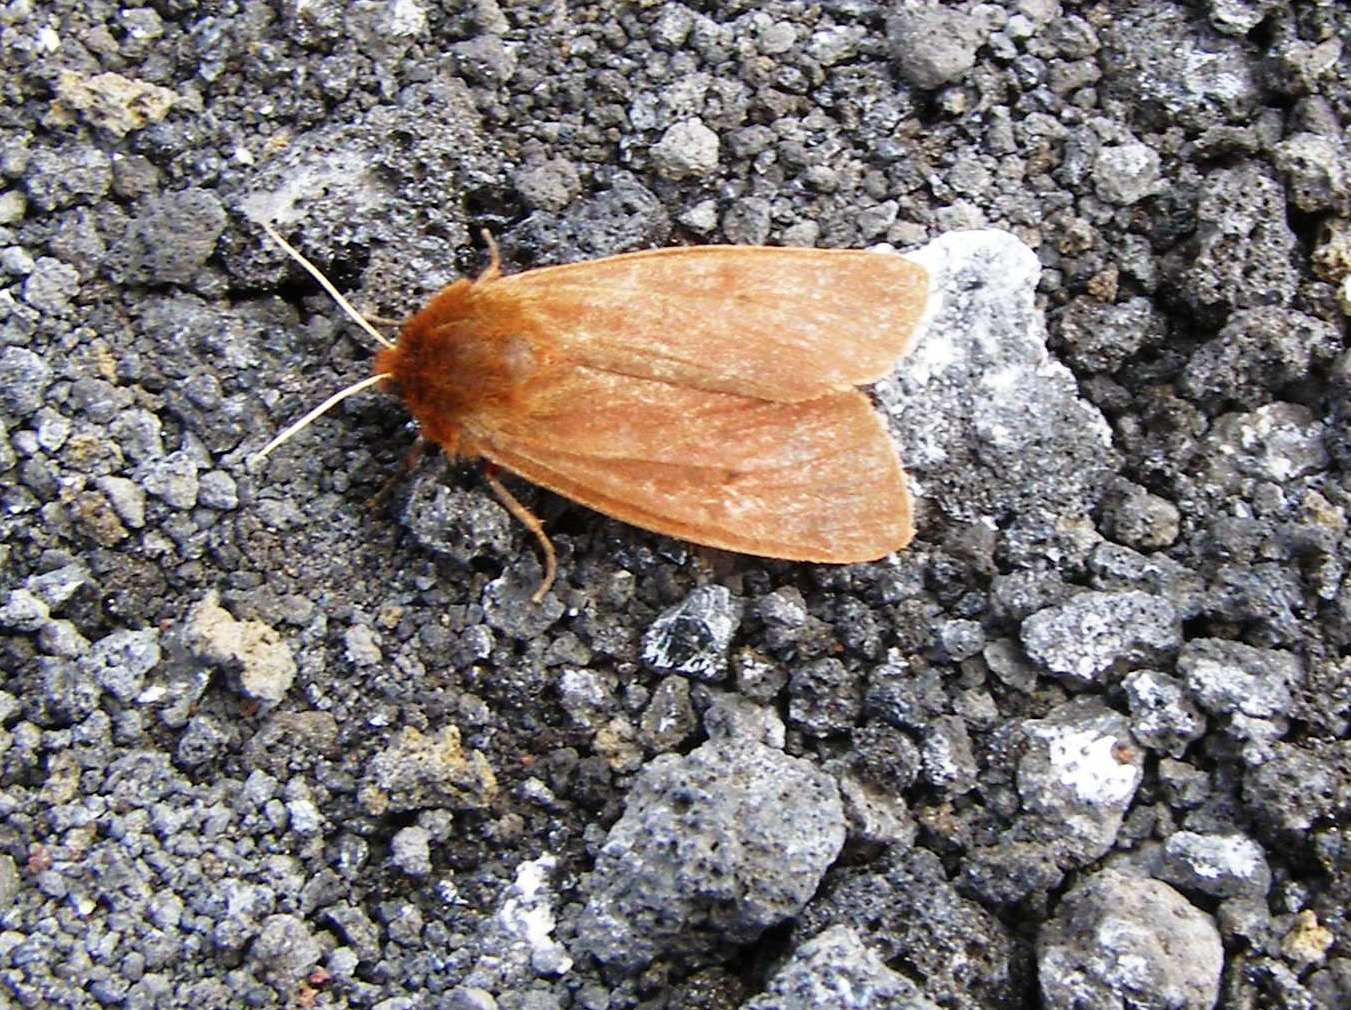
x,y
707,393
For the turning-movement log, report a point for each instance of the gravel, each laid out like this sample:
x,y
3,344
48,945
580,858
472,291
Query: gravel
x,y
296,735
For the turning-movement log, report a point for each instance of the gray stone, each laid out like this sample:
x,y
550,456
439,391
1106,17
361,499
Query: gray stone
x,y
1126,174
1239,17
1129,943
137,432
1277,442
903,695
1115,568
1300,786
959,640
126,498
623,217
64,177
470,998
285,950
548,185
67,695
62,638
876,818
485,59
202,741
57,586
713,848
672,27
733,717
904,907
1228,678
1008,872
824,697
52,285
13,207
1257,354
701,217
24,378
1315,169
1072,37
835,44
1242,253
410,851
171,478
688,149
1301,65
1020,594
17,261
1099,337
523,926
985,420
1078,775
1163,717
885,757
120,661
748,221
170,241
463,525
587,696
949,758
1135,517
933,46
355,926
837,969
1222,865
216,489
362,645
53,429
669,717
1095,636
693,636
9,881
1155,60
304,818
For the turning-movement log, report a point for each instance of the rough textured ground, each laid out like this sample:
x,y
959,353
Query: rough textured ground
x,y
1086,744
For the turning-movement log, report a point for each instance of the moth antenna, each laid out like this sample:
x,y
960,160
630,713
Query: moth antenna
x,y
326,284
531,522
494,258
287,433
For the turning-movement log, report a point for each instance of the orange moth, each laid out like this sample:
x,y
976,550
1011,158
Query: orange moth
x,y
707,393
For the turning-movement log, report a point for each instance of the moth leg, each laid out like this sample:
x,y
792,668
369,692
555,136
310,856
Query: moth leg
x,y
531,522
494,270
410,463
